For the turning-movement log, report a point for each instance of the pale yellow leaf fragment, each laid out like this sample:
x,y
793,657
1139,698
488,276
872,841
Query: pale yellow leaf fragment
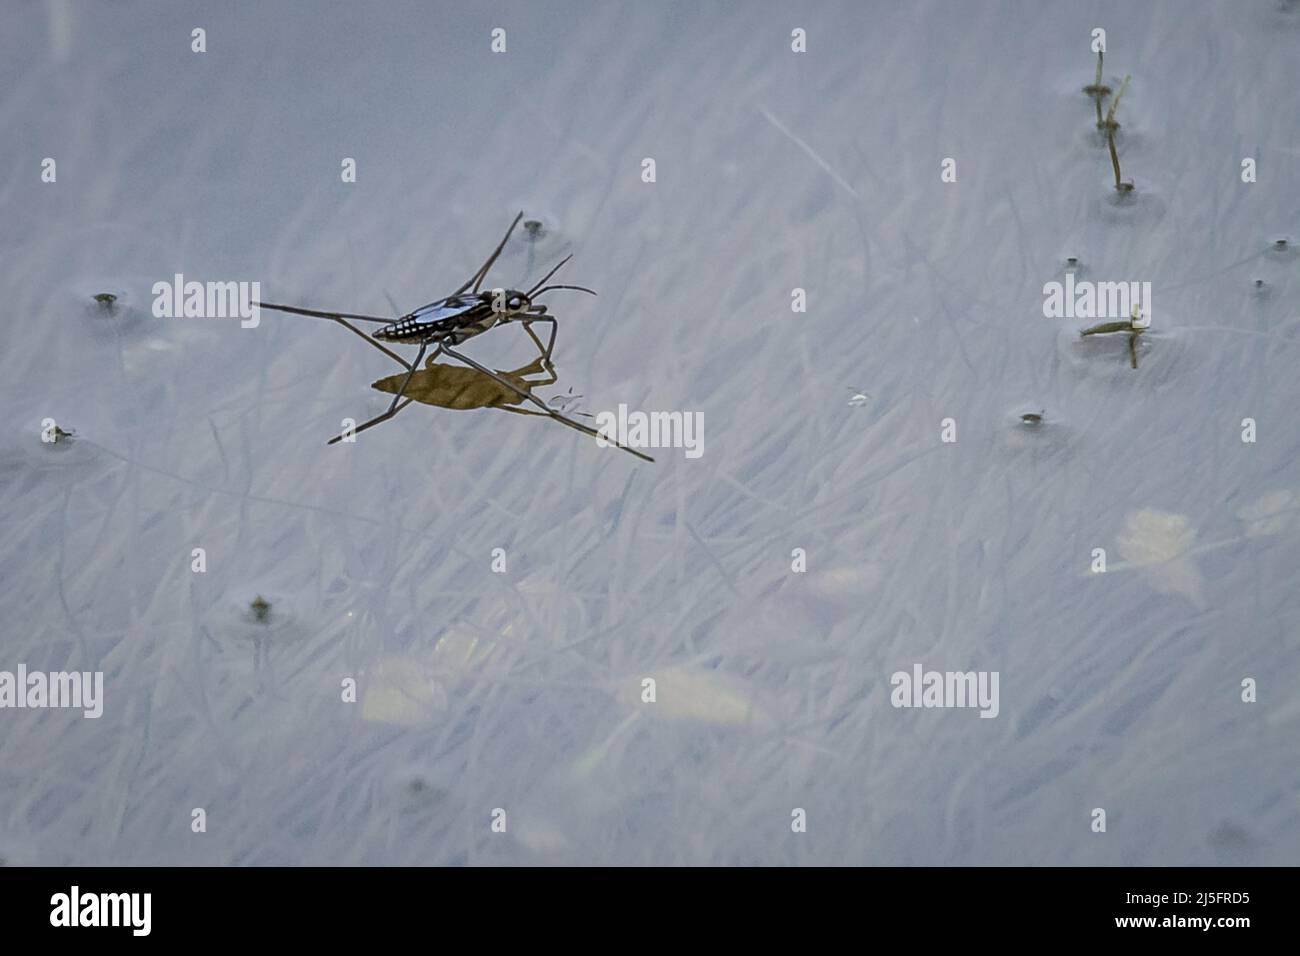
x,y
399,690
685,693
1160,543
1272,513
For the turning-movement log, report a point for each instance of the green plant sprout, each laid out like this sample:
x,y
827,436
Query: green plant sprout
x,y
1097,89
1134,326
1120,186
1109,125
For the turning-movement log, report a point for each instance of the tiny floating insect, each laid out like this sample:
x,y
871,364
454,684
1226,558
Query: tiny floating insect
x,y
1032,418
447,322
106,299
1135,326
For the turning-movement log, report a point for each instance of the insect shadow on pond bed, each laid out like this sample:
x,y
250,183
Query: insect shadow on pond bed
x,y
452,386
447,322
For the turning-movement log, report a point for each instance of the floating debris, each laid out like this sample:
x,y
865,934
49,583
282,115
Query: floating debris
x,y
261,609
859,398
695,694
1107,327
1276,512
561,403
1135,326
1032,418
1162,543
534,228
402,690
106,299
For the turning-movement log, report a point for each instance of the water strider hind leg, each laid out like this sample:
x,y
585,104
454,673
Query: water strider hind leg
x,y
342,319
546,409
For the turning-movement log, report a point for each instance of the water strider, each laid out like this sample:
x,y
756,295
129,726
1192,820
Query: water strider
x,y
447,322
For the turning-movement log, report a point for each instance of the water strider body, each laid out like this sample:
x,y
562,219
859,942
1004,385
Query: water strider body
x,y
460,317
445,323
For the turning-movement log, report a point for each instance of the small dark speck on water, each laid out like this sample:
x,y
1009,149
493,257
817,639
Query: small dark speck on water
x,y
261,609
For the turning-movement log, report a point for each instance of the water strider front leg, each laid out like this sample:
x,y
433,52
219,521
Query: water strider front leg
x,y
394,407
527,323
410,370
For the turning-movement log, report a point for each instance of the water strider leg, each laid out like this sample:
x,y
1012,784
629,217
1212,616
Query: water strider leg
x,y
477,278
394,408
546,409
342,319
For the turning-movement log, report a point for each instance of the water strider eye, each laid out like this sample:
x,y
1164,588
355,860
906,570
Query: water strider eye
x,y
516,301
